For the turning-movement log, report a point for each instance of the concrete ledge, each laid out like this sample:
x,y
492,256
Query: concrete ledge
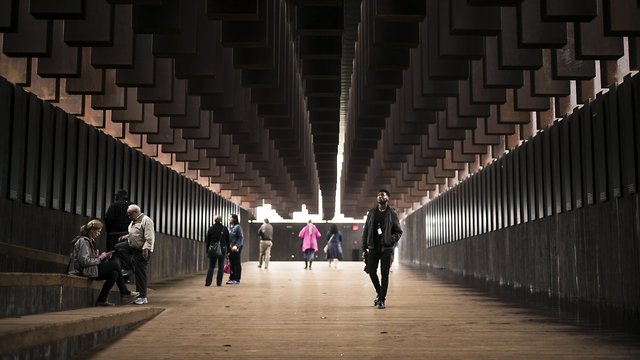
x,y
65,334
34,293
33,254
42,279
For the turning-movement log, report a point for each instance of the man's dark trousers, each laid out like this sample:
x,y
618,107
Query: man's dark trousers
x,y
384,258
133,259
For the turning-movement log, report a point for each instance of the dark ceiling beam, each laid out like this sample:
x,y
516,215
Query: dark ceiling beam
x,y
252,96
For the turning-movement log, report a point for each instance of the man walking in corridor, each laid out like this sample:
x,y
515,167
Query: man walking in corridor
x,y
380,235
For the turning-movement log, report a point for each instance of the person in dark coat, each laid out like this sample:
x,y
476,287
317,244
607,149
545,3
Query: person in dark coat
x,y
334,246
116,219
380,235
216,233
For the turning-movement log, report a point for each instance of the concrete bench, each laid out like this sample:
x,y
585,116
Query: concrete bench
x,y
52,315
17,258
34,293
66,334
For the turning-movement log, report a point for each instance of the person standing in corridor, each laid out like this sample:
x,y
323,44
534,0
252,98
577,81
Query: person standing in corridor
x,y
266,236
309,235
116,219
380,235
217,233
134,249
236,240
334,246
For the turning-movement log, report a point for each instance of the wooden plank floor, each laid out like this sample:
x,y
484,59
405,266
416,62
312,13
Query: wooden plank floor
x,y
290,313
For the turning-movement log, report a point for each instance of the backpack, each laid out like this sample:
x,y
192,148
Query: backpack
x,y
72,267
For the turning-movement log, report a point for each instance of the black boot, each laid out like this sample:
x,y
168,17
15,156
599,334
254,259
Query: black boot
x,y
306,264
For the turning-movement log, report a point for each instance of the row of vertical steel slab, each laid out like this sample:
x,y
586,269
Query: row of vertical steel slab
x,y
52,160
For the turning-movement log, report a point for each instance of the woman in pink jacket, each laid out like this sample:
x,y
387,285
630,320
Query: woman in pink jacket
x,y
309,235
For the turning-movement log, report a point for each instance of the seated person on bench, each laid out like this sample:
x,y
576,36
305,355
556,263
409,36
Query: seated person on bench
x,y
86,261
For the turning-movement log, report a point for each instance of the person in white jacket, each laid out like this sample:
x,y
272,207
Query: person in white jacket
x,y
135,249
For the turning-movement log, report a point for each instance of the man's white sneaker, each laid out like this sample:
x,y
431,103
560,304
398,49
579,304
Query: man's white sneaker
x,y
140,301
131,294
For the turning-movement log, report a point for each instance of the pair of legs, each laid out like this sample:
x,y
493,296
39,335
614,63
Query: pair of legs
x,y
309,255
384,258
236,265
110,272
334,253
133,259
265,253
212,263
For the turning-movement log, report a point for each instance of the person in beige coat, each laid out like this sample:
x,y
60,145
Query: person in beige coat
x,y
266,237
135,249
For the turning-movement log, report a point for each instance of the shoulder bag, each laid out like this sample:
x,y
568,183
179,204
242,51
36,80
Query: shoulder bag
x,y
215,250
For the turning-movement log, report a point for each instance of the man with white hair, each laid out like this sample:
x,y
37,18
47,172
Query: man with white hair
x,y
135,248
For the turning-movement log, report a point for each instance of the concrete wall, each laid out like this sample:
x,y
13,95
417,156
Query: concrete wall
x,y
590,254
56,173
559,215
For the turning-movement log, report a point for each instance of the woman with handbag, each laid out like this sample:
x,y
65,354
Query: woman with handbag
x,y
87,261
217,242
334,245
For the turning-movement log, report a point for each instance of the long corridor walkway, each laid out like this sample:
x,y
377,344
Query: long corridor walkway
x,y
287,312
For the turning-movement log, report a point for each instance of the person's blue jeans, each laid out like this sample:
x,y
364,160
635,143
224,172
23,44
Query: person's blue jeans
x,y
309,254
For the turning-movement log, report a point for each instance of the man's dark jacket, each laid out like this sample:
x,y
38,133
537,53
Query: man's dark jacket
x,y
391,234
116,218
